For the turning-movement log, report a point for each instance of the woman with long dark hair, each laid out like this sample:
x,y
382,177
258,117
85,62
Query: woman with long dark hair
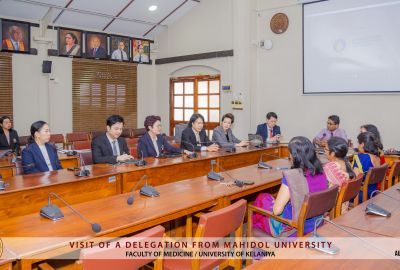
x,y
302,156
39,155
338,171
367,157
374,130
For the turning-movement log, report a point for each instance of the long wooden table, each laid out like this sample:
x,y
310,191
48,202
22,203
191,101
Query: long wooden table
x,y
383,226
162,171
7,168
341,261
27,193
177,199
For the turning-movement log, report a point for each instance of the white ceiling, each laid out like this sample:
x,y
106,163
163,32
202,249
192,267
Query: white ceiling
x,y
125,17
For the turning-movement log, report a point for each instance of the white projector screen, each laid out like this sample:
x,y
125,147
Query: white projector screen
x,y
351,46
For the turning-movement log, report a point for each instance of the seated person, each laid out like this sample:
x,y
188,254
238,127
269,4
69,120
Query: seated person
x,y
374,130
194,137
110,147
332,129
269,131
152,144
39,155
338,170
8,136
302,156
366,158
223,134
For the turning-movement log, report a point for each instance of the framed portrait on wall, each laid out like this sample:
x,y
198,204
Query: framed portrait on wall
x,y
120,48
96,45
69,42
141,51
15,36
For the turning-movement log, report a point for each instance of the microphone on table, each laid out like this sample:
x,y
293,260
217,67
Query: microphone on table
x,y
53,212
16,147
83,171
374,209
193,154
263,165
239,183
147,190
212,174
15,161
334,249
141,162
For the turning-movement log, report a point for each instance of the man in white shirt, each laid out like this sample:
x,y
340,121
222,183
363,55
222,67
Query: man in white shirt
x,y
141,57
120,53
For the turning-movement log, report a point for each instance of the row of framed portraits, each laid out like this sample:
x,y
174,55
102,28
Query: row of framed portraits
x,y
15,37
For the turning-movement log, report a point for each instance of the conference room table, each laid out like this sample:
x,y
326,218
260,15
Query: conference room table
x,y
384,226
26,194
162,171
350,251
117,218
7,167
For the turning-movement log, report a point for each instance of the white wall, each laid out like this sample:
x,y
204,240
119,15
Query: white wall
x,y
36,97
211,26
279,87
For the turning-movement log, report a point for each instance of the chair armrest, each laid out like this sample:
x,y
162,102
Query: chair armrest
x,y
271,215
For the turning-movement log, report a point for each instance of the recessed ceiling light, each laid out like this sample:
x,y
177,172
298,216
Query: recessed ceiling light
x,y
153,8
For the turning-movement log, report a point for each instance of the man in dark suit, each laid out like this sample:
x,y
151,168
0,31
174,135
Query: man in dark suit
x,y
97,51
110,147
194,137
269,131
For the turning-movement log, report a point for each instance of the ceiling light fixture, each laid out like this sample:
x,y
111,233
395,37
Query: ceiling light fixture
x,y
153,8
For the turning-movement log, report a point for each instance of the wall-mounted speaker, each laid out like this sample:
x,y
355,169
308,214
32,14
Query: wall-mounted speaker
x,y
46,66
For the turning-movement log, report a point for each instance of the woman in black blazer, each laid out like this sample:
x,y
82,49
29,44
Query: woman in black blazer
x,y
8,136
201,142
153,144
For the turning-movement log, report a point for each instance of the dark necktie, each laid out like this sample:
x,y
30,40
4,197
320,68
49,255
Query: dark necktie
x,y
140,58
114,148
122,56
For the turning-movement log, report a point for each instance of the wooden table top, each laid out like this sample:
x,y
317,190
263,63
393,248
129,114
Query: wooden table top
x,y
36,180
117,218
384,226
344,260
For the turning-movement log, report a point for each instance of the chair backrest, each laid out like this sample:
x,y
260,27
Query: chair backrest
x,y
94,258
94,134
87,157
126,133
132,142
133,151
394,173
77,136
319,203
57,138
374,176
179,128
138,132
23,140
222,222
316,204
348,191
81,145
